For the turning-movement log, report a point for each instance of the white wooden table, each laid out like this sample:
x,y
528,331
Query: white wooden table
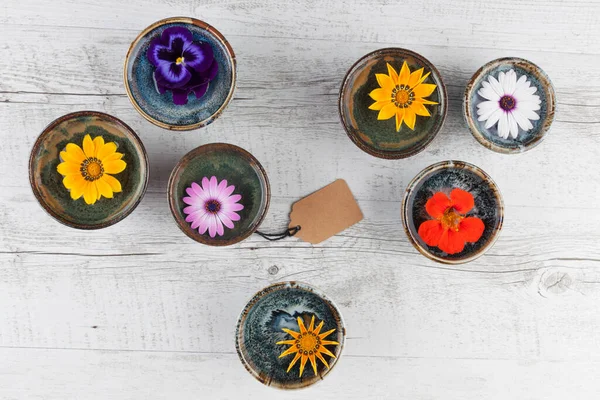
x,y
139,311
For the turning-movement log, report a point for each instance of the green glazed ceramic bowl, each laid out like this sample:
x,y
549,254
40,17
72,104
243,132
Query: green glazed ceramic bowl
x,y
260,328
444,177
46,181
525,140
379,137
239,168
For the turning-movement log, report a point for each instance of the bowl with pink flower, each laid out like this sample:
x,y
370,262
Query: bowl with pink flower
x,y
509,105
218,194
180,73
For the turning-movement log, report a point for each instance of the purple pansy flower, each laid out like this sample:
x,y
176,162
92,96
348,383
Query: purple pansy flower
x,y
182,65
211,206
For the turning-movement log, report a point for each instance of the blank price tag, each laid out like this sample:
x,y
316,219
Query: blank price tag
x,y
325,213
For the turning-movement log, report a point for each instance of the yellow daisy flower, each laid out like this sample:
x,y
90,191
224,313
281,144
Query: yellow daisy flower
x,y
86,171
308,344
402,95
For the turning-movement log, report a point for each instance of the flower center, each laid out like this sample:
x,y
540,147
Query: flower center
x,y
308,343
451,219
402,96
179,60
91,169
507,103
212,206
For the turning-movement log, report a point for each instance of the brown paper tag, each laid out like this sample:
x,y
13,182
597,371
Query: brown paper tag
x,y
325,212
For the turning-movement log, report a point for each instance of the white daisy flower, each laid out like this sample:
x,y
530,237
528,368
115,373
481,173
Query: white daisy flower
x,y
511,103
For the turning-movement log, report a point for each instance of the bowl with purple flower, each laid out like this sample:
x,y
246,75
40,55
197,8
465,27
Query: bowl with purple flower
x,y
180,73
218,194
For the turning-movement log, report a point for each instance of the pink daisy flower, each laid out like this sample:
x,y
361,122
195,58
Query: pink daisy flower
x,y
211,206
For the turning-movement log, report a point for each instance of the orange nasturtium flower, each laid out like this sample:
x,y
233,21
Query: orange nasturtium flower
x,y
450,229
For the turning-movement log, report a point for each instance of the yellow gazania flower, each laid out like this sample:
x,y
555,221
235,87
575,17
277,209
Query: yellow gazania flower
x,y
308,344
402,95
86,172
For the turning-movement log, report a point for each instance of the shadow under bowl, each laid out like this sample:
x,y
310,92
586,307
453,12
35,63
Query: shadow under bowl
x,y
260,325
379,137
239,168
47,182
525,140
443,177
159,108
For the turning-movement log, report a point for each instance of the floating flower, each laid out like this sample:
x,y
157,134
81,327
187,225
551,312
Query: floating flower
x,y
211,206
86,171
402,95
450,229
308,344
182,65
510,103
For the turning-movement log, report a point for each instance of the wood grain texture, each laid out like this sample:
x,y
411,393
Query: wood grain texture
x,y
138,310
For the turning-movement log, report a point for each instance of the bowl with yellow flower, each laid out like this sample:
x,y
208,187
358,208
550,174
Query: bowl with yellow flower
x,y
88,170
392,103
290,335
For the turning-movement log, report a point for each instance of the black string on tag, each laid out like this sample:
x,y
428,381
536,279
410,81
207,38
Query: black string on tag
x,y
278,236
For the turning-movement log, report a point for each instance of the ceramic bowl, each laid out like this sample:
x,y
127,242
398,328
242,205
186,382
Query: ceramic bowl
x,y
525,140
239,168
379,137
261,325
444,177
46,181
159,109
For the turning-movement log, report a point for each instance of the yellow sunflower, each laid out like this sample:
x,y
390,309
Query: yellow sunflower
x,y
308,344
86,171
402,95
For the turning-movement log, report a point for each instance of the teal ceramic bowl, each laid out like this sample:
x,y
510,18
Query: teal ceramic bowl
x,y
268,319
47,182
225,162
379,137
526,139
444,177
159,108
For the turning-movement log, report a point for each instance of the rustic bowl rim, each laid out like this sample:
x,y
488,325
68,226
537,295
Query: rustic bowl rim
x,y
214,32
550,105
182,163
394,154
272,288
446,165
132,136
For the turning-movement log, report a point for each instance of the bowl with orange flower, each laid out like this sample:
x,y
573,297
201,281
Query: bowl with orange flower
x,y
452,212
392,103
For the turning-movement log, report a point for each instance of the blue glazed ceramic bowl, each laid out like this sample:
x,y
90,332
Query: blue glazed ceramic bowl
x,y
264,322
444,177
159,108
525,140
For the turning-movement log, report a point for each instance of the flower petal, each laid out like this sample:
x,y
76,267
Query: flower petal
x,y
380,94
73,153
399,118
387,112
67,168
200,91
493,118
503,126
180,96
205,185
420,109
415,77
198,56
392,73
233,199
225,220
90,194
220,188
385,82
173,74
487,92
378,105
523,122
104,188
176,33
107,150
219,226
228,190
113,182
424,89
462,201
513,128
98,143
77,191
88,147
452,242
114,167
158,53
212,186
486,109
437,204
72,180
203,223
510,82
212,225
431,231
404,75
496,87
410,118
472,228
232,215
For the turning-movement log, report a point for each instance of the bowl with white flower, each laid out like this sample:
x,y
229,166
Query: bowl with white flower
x,y
509,105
